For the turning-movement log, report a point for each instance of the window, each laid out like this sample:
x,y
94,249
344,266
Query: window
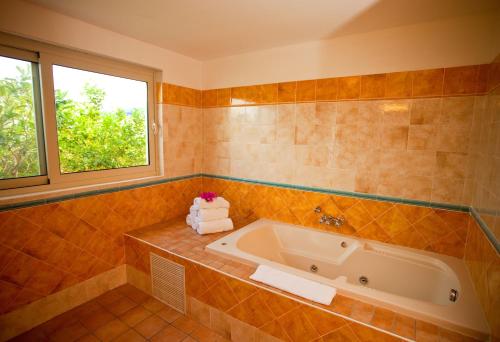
x,y
69,118
22,155
101,121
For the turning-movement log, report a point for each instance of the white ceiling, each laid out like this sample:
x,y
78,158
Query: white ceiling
x,y
208,29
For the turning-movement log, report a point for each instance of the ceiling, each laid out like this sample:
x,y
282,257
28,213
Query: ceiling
x,y
208,29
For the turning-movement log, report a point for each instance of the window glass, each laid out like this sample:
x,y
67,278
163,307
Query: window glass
x,y
102,120
21,142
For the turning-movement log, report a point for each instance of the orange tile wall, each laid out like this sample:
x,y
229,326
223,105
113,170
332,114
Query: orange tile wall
x,y
46,248
481,257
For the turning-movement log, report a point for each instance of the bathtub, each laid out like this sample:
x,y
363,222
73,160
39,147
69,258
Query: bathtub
x,y
409,281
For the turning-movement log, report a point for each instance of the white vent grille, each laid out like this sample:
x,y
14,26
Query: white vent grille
x,y
167,282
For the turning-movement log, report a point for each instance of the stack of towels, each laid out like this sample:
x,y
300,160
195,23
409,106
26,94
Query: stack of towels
x,y
209,217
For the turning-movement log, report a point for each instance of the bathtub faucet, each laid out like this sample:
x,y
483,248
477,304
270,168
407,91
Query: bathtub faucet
x,y
330,219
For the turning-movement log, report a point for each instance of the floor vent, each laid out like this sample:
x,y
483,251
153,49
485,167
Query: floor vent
x,y
167,282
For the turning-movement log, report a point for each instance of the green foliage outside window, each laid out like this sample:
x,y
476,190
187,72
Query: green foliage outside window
x,y
18,141
89,138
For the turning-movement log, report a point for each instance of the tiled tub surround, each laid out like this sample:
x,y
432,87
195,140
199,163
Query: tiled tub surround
x,y
402,134
409,148
481,257
222,297
182,140
47,248
485,156
421,227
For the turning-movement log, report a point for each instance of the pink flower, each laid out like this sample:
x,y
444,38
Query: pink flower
x,y
208,196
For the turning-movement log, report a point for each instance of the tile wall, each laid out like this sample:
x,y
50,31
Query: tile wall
x,y
481,256
47,248
182,129
404,135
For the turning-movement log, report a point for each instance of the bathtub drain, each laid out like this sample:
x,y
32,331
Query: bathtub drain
x,y
314,268
363,280
453,295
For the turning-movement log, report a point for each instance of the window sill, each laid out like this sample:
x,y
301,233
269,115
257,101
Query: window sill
x,y
13,198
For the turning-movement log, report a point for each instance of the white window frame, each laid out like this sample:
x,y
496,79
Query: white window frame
x,y
49,55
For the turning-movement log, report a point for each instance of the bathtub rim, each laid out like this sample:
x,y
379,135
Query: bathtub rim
x,y
457,266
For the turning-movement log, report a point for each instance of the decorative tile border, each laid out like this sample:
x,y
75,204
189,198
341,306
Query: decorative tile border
x,y
245,180
360,195
167,93
455,81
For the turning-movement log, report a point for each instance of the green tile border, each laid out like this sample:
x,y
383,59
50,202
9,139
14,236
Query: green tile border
x,y
346,193
489,234
429,204
94,192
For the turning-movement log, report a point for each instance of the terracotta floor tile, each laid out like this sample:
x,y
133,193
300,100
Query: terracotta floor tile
x,y
150,326
130,336
69,333
34,335
153,305
88,338
121,306
87,308
111,330
185,324
108,298
169,334
94,320
169,314
135,315
57,323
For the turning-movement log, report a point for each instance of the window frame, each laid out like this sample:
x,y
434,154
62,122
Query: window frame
x,y
49,55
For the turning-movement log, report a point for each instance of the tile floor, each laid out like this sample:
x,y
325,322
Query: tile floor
x,y
122,314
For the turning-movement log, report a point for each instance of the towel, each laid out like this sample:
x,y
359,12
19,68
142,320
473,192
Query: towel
x,y
213,226
190,222
209,214
218,202
299,286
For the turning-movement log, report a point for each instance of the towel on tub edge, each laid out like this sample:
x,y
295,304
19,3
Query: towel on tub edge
x,y
299,286
216,226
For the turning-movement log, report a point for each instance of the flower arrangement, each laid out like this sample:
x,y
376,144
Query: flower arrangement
x,y
208,196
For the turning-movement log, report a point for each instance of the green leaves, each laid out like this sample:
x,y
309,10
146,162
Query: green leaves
x,y
92,139
18,140
89,138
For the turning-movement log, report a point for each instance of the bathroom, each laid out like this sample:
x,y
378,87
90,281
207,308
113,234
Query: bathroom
x,y
346,156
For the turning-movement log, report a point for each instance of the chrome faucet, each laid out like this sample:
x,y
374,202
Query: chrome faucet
x,y
330,219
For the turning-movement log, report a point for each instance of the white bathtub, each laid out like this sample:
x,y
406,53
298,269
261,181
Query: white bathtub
x,y
405,280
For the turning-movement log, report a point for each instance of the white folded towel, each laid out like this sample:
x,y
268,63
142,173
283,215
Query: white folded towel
x,y
193,210
299,286
216,226
210,214
218,202
190,222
